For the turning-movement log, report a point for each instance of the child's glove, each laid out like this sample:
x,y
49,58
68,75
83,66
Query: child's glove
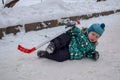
x,y
93,55
70,23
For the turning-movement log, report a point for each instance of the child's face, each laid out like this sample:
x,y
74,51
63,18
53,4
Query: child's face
x,y
93,36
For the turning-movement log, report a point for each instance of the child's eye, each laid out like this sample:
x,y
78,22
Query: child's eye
x,y
96,36
93,34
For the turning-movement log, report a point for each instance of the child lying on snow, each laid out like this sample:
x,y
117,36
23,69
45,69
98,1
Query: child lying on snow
x,y
74,44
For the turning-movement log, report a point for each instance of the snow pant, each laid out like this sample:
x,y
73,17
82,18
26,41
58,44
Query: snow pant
x,y
61,52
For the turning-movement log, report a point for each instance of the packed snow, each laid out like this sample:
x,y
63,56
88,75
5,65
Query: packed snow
x,y
15,65
29,11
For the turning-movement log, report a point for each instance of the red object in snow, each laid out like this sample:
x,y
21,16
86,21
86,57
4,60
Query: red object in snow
x,y
25,50
78,22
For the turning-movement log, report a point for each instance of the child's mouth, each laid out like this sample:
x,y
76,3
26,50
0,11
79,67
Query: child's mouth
x,y
91,40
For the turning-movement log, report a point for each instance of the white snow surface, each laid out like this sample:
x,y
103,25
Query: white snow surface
x,y
15,65
29,11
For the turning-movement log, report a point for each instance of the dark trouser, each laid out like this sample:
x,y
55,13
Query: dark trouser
x,y
61,52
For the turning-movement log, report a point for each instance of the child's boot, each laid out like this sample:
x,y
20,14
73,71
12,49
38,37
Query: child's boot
x,y
50,48
41,53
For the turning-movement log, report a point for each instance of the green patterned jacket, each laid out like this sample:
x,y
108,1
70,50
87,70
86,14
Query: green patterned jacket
x,y
80,45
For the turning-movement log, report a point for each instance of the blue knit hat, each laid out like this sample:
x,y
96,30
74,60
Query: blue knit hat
x,y
98,28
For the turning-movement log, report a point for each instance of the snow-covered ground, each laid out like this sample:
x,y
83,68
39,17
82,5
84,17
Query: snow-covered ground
x,y
15,65
28,11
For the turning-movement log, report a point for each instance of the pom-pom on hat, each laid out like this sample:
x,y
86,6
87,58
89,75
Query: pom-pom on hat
x,y
98,28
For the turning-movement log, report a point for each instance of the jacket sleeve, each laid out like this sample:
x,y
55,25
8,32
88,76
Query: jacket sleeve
x,y
74,32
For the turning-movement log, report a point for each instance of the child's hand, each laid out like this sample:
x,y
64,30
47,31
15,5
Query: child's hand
x,y
71,24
